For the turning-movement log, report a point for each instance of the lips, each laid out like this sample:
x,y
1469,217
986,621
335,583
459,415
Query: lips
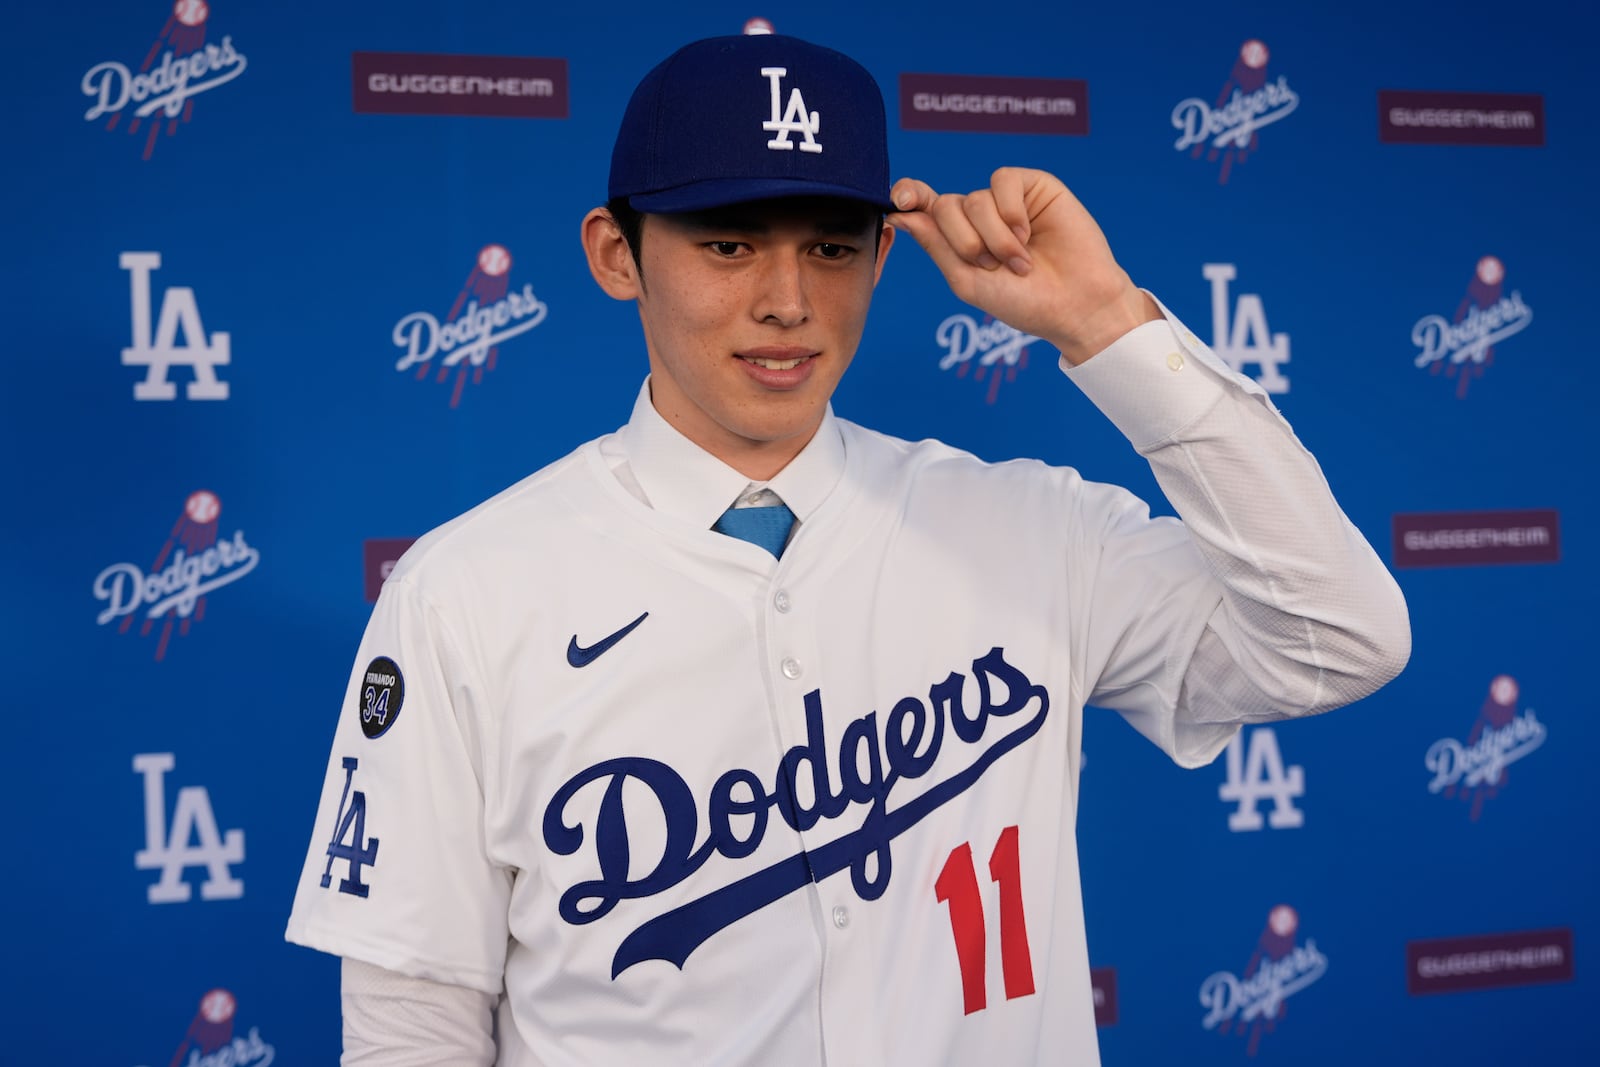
x,y
779,367
776,357
775,364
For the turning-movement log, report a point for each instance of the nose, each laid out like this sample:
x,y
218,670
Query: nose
x,y
782,298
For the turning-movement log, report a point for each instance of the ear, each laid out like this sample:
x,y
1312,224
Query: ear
x,y
885,240
610,260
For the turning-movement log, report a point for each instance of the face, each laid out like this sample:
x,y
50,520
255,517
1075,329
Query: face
x,y
751,315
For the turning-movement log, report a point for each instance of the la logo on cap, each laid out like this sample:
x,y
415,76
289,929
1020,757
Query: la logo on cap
x,y
794,120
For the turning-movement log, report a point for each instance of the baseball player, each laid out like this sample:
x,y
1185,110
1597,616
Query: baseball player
x,y
729,738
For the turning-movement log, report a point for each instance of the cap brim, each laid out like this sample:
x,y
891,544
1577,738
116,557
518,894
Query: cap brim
x,y
702,196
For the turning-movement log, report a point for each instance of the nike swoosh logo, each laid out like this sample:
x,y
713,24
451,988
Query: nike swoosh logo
x,y
579,656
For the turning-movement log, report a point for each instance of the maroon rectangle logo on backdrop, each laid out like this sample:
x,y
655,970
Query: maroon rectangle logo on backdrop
x,y
415,83
1489,961
1406,117
378,556
1103,980
1469,538
981,104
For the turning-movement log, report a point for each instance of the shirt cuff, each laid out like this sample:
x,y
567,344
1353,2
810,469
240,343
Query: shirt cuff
x,y
1156,379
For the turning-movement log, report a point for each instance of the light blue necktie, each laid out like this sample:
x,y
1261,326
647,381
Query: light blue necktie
x,y
767,525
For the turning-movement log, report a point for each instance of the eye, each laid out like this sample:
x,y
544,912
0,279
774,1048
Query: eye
x,y
726,249
829,250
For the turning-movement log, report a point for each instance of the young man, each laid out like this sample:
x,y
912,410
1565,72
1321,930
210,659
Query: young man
x,y
684,749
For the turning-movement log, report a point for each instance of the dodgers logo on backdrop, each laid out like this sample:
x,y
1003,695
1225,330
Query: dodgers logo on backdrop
x,y
1229,129
484,315
192,564
989,349
1462,346
159,351
854,777
179,65
1260,775
168,849
1279,968
1240,336
210,1041
1475,770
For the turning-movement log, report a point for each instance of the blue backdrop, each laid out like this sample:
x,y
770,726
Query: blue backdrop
x,y
262,244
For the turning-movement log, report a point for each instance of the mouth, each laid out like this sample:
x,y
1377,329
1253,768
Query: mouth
x,y
775,364
776,357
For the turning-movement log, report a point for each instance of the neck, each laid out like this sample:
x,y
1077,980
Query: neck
x,y
760,461
757,458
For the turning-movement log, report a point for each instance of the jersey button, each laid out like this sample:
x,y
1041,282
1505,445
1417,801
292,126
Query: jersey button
x,y
791,668
841,916
781,600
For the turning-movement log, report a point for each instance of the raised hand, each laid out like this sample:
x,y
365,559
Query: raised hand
x,y
1025,251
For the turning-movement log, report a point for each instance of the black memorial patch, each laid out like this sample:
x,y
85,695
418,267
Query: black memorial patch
x,y
380,692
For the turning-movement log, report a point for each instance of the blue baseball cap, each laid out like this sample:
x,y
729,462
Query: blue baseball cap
x,y
733,119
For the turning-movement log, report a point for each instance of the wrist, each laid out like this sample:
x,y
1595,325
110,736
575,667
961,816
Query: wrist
x,y
1096,333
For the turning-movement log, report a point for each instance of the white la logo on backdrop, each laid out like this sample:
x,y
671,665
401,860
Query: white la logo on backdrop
x,y
169,851
1244,337
1260,775
795,120
158,353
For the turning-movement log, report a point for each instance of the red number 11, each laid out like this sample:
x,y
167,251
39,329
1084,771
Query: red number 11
x,y
958,885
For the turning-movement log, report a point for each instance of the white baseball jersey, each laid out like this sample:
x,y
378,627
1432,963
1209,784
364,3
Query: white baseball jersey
x,y
688,803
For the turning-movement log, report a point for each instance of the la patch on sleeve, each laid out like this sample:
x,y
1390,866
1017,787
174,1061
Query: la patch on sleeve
x,y
359,850
381,693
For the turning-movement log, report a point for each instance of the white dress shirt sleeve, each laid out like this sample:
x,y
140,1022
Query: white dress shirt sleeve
x,y
392,1020
1308,618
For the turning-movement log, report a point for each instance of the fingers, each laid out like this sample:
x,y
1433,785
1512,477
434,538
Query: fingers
x,y
984,228
998,234
1010,196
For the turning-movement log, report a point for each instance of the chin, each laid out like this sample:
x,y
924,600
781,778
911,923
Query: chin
x,y
772,433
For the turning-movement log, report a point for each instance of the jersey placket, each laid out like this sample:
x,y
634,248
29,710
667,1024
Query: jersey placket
x,y
793,653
